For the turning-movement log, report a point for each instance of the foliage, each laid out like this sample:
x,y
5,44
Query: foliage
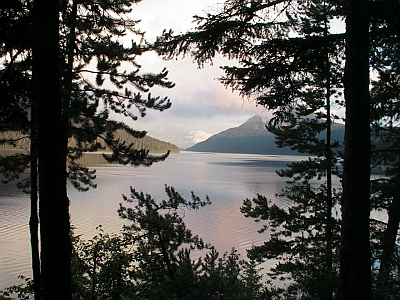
x,y
15,81
99,79
385,95
15,40
152,258
288,61
23,290
99,75
154,145
291,63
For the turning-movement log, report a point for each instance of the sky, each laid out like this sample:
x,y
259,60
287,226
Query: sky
x,y
201,105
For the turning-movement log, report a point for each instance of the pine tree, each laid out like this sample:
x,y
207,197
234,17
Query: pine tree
x,y
152,257
55,243
16,41
270,38
89,32
291,63
15,81
304,123
92,34
384,115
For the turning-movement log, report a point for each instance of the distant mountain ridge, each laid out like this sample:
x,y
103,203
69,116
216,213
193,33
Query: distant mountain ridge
x,y
251,137
147,143
254,126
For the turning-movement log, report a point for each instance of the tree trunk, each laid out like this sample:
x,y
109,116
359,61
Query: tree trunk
x,y
34,219
390,235
388,244
53,200
329,198
355,266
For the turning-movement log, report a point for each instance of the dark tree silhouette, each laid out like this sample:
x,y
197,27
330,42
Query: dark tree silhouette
x,y
87,31
53,200
355,266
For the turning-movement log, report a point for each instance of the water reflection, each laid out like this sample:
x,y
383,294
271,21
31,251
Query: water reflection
x,y
226,178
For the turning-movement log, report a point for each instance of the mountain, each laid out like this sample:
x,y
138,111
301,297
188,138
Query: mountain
x,y
148,142
251,138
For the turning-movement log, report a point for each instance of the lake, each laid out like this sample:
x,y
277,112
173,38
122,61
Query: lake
x,y
227,179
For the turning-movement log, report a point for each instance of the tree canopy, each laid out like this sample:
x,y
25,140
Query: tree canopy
x,y
286,56
100,84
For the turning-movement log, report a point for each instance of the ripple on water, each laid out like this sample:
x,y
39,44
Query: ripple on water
x,y
220,224
14,238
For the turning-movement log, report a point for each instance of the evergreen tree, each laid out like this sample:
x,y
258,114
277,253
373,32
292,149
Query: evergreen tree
x,y
293,67
53,201
88,32
355,267
152,257
16,42
305,235
15,80
91,34
163,266
285,53
384,108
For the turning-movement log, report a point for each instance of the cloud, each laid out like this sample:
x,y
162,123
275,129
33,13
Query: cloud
x,y
201,105
199,136
156,15
198,92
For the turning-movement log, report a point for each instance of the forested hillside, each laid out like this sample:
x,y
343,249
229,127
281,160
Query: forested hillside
x,y
147,143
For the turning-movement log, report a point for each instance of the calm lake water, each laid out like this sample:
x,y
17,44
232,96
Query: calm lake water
x,y
227,179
